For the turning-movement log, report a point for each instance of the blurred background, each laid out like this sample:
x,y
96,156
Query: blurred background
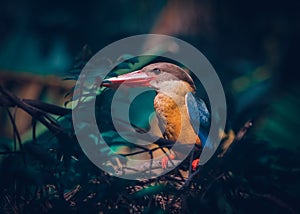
x,y
252,45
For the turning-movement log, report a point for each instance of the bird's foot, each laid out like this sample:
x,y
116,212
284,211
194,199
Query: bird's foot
x,y
165,159
195,164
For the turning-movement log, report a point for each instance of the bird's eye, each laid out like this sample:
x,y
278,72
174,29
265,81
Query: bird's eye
x,y
156,70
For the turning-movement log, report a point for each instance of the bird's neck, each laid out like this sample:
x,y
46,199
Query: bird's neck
x,y
173,88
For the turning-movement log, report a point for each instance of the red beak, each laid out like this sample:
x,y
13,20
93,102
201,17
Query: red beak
x,y
133,79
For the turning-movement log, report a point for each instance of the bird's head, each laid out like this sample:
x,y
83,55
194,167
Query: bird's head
x,y
160,76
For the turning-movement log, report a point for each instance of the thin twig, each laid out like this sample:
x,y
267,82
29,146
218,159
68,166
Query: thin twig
x,y
34,112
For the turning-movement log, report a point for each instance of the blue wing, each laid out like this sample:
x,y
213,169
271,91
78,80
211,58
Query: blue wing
x,y
199,115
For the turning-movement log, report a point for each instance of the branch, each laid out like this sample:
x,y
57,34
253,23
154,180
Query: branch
x,y
39,114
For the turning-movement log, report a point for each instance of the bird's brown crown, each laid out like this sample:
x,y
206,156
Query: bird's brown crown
x,y
163,71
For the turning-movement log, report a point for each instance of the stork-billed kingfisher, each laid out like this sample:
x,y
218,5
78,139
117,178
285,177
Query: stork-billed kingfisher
x,y
174,103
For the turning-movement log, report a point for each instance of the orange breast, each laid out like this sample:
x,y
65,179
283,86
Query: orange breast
x,y
174,120
169,116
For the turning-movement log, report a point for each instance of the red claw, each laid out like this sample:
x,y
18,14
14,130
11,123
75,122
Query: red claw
x,y
165,159
195,164
164,162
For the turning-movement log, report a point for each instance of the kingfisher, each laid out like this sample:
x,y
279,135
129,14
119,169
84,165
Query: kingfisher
x,y
175,105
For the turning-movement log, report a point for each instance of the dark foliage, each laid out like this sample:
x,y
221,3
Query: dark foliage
x,y
50,174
